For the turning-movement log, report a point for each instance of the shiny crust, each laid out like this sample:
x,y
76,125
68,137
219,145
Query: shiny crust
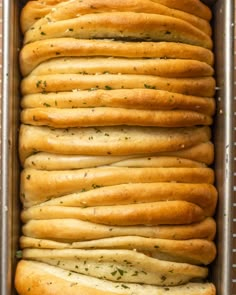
x,y
195,7
35,53
71,9
34,10
122,25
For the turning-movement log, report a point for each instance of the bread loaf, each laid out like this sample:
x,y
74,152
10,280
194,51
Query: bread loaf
x,y
115,145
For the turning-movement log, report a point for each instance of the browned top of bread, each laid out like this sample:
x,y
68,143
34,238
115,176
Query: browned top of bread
x,y
122,25
34,53
37,13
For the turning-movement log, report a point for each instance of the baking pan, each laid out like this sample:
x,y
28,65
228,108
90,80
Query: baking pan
x,y
221,271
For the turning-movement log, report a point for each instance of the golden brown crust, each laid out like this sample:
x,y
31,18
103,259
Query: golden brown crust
x,y
203,195
122,25
172,68
119,141
39,185
34,53
74,230
165,212
84,117
204,86
146,99
71,9
195,7
196,156
34,10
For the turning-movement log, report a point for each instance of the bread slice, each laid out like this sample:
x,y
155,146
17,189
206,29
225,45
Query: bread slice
x,y
121,25
71,9
172,68
155,213
203,195
46,161
100,116
196,156
119,265
74,230
38,13
40,278
39,185
114,140
35,53
204,86
194,251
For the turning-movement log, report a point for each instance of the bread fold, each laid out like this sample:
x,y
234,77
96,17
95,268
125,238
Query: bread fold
x,y
165,212
116,140
37,52
34,10
45,279
145,99
73,9
100,116
203,195
176,68
196,156
194,251
121,25
39,185
119,265
74,230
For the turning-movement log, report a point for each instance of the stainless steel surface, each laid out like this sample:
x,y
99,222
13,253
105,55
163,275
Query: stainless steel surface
x,y
9,163
224,142
222,271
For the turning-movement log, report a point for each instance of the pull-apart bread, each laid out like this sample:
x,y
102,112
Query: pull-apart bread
x,y
115,147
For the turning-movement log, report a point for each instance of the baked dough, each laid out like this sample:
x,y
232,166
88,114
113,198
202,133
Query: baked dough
x,y
74,230
116,140
39,185
195,156
165,212
203,195
170,68
34,10
194,251
35,53
121,25
40,278
119,265
85,117
204,86
71,9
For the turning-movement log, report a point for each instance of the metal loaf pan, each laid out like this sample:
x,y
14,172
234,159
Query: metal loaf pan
x,y
221,270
